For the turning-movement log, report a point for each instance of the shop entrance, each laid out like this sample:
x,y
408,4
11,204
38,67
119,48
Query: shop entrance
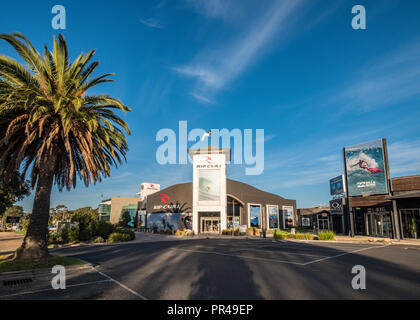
x,y
359,222
323,223
210,225
209,222
380,224
410,223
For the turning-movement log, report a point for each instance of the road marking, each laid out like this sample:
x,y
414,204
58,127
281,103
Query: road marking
x,y
343,254
51,289
238,256
271,251
285,252
122,285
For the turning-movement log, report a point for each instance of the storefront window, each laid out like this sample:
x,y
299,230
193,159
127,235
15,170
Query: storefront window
x,y
255,216
410,223
273,217
380,225
233,213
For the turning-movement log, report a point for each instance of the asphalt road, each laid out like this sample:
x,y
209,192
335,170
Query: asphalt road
x,y
9,242
236,269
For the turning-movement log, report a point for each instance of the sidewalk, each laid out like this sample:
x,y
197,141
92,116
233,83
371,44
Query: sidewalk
x,y
367,239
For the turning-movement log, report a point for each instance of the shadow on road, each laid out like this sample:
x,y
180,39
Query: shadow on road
x,y
166,270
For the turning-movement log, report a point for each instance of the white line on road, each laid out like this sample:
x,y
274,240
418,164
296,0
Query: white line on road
x,y
284,252
122,285
343,254
280,261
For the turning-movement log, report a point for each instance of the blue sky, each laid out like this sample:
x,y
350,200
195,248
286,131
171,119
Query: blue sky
x,y
293,68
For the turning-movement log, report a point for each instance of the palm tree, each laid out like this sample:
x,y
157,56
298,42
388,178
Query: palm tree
x,y
52,127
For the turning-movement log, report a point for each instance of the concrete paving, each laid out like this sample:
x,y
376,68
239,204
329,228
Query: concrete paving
x,y
237,269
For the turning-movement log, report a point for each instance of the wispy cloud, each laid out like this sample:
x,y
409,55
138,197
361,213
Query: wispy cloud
x,y
404,157
201,98
152,23
392,79
214,69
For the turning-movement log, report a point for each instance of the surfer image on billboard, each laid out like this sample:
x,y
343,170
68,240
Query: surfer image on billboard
x,y
365,166
209,185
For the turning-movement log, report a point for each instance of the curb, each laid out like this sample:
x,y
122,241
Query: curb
x,y
40,271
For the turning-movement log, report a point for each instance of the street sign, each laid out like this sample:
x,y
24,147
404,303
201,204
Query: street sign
x,y
336,206
12,219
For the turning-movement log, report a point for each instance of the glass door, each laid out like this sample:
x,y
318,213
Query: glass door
x,y
210,225
380,225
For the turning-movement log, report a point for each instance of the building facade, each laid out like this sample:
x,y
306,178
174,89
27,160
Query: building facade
x,y
244,205
209,204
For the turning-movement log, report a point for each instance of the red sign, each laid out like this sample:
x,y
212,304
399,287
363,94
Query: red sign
x,y
165,198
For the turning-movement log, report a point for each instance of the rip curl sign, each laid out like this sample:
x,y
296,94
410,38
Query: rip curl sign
x,y
167,204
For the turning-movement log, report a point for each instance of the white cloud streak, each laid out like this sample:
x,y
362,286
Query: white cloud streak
x,y
214,69
152,23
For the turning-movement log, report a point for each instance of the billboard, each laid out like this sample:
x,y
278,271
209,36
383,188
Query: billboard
x,y
366,169
209,185
337,185
10,219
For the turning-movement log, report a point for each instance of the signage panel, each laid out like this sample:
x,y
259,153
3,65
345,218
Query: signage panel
x,y
366,169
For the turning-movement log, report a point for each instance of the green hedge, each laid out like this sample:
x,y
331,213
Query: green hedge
x,y
119,237
326,235
281,235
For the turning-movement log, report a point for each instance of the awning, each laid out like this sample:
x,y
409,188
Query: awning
x,y
404,195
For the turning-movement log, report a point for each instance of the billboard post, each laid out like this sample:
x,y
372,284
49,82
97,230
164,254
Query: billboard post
x,y
394,215
349,210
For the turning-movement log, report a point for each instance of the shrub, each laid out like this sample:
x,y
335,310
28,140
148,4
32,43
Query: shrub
x,y
73,234
85,235
125,219
281,235
301,236
25,224
126,231
119,237
104,229
326,235
64,235
54,237
99,240
180,233
189,232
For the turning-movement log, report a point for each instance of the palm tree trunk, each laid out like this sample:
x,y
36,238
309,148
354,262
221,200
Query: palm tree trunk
x,y
35,243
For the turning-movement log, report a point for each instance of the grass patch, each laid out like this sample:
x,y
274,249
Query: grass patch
x,y
326,235
8,266
20,232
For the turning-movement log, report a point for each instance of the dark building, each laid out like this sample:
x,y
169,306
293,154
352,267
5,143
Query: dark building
x,y
394,216
406,201
321,218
